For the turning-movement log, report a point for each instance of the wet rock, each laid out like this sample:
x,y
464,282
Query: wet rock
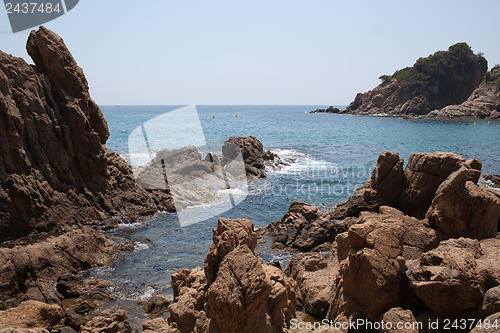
x,y
493,179
460,208
70,286
330,109
452,278
304,227
493,326
31,271
157,304
108,322
32,314
66,176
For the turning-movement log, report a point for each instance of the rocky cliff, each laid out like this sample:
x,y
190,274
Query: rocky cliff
x,y
444,78
55,170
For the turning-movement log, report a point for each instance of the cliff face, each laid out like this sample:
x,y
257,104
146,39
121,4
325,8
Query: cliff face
x,y
444,78
54,167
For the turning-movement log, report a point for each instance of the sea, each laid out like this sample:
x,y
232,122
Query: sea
x,y
328,157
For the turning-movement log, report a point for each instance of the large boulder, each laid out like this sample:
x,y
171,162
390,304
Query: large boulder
x,y
31,271
32,314
304,227
373,254
463,209
54,167
453,278
398,320
314,275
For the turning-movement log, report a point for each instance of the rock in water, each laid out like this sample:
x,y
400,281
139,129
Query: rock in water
x,y
54,167
444,78
235,292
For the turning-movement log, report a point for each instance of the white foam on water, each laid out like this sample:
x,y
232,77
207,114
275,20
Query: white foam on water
x,y
300,162
138,246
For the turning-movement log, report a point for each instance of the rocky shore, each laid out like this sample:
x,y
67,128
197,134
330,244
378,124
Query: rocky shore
x,y
448,84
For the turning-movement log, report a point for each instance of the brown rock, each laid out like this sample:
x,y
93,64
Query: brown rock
x,y
304,227
108,322
314,275
463,209
65,176
32,314
374,252
32,270
396,317
491,302
158,325
228,235
493,327
70,286
157,304
452,278
493,179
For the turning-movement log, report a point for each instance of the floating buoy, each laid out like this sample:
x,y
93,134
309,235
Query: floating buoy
x,y
474,123
366,120
281,118
380,118
236,115
488,121
213,116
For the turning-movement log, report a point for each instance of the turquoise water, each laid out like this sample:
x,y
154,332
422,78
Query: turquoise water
x,y
333,154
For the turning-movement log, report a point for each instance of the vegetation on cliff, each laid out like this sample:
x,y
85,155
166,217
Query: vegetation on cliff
x,y
441,79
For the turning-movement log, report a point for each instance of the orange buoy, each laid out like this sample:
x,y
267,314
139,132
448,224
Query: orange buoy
x,y
213,116
236,115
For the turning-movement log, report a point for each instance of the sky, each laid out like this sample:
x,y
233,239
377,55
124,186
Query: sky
x,y
272,52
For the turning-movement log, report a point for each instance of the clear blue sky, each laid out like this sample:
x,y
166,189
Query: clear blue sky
x,y
258,52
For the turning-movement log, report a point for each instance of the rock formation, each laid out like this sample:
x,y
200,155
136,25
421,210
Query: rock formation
x,y
444,78
29,272
304,227
32,314
234,293
331,109
54,168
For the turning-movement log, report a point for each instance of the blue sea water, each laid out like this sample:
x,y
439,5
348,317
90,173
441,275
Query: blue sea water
x,y
333,154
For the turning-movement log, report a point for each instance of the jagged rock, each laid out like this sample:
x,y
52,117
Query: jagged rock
x,y
484,102
31,271
423,175
460,208
24,330
445,78
65,176
373,254
452,278
228,235
157,325
398,316
70,286
32,314
304,227
411,190
314,275
253,154
156,304
491,302
235,292
493,179
108,322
